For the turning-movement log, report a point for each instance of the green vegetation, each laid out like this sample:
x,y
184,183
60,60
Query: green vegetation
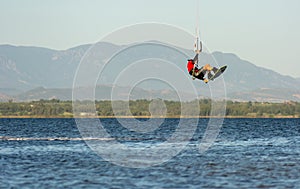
x,y
57,108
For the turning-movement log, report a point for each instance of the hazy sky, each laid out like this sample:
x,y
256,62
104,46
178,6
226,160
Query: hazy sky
x,y
264,32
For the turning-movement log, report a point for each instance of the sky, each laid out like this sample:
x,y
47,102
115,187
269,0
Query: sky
x,y
263,32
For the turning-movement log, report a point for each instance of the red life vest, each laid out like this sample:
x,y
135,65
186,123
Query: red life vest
x,y
190,65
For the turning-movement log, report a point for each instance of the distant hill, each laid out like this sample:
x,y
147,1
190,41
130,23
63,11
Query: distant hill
x,y
258,95
101,93
25,68
40,73
266,95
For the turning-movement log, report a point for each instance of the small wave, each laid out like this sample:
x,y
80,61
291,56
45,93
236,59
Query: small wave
x,y
276,141
9,138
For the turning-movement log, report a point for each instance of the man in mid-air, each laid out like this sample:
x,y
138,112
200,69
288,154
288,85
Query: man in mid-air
x,y
200,73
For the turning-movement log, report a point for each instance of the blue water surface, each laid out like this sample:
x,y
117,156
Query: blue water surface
x,y
248,153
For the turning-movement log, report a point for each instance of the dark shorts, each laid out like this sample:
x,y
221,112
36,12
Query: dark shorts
x,y
200,76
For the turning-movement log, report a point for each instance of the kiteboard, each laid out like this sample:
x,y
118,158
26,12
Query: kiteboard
x,y
217,73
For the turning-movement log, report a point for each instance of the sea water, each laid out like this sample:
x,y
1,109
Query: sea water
x,y
248,153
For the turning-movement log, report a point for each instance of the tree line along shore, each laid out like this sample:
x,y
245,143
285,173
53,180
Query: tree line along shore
x,y
143,108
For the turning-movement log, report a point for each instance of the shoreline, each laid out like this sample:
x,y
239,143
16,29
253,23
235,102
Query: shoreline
x,y
148,117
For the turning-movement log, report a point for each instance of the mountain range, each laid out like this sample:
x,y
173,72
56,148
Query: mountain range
x,y
33,73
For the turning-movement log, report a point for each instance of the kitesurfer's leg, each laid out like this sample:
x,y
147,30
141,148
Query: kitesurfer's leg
x,y
199,71
200,74
207,67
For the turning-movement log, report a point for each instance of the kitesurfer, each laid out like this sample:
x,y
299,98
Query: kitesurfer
x,y
200,73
